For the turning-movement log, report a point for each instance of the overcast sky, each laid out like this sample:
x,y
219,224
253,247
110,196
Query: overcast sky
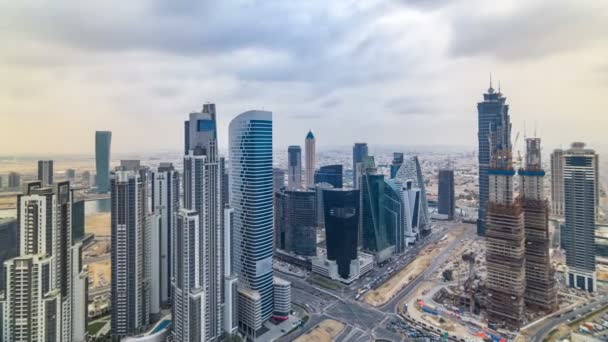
x,y
386,72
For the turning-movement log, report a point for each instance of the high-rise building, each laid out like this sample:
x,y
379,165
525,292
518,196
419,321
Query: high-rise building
x,y
14,180
410,170
319,187
278,179
103,142
341,210
557,182
402,213
541,290
446,193
331,174
130,252
580,210
203,193
70,174
165,203
505,236
296,222
294,167
85,178
45,172
359,154
230,310
493,115
225,183
252,200
396,163
187,275
80,291
78,219
9,245
374,232
311,159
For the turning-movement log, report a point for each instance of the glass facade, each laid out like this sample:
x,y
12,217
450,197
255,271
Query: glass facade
x,y
446,193
341,210
103,141
331,174
374,231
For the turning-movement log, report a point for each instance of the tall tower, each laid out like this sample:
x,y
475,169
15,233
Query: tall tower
x,y
411,171
252,200
493,114
294,167
505,239
103,142
45,172
311,159
557,182
580,210
541,291
331,174
203,193
130,286
359,154
341,210
446,193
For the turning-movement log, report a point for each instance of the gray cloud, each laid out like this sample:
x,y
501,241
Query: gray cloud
x,y
331,103
410,105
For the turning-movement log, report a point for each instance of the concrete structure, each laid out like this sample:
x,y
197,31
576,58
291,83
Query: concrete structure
x,y
103,143
188,278
557,182
45,172
357,267
402,213
331,174
447,201
580,210
78,219
250,312
296,221
311,159
9,244
251,179
493,114
130,287
278,179
282,298
80,286
14,180
359,153
541,290
341,210
294,167
165,203
230,309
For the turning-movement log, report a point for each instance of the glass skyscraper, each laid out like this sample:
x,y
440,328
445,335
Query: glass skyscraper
x,y
103,141
359,154
251,181
446,193
331,174
341,210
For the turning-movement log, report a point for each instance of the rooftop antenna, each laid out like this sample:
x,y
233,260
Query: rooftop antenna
x,y
490,79
499,86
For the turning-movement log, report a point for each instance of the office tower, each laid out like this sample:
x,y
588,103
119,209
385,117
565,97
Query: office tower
x,y
165,203
578,235
14,180
557,182
70,174
188,274
130,288
359,154
202,193
341,210
85,178
294,167
493,118
252,200
282,298
9,244
311,159
225,183
402,213
446,193
505,237
250,311
374,234
541,290
80,288
319,187
231,294
396,163
410,170
296,224
278,179
331,174
78,219
45,172
103,143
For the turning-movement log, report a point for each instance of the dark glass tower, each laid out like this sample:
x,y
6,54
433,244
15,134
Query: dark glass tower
x,y
374,232
359,154
297,222
396,163
331,174
103,141
493,115
446,193
341,209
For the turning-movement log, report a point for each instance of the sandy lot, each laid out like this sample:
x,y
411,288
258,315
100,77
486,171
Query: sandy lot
x,y
8,202
98,224
391,287
326,331
100,273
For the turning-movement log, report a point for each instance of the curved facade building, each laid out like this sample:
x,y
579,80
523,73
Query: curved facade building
x,y
251,182
331,174
341,209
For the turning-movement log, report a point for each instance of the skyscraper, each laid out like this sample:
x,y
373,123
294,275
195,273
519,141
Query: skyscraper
x,y
557,182
45,172
103,142
396,163
311,159
165,203
296,224
278,179
446,193
231,295
331,174
14,180
374,234
252,200
203,193
359,154
341,210
410,170
493,115
578,235
130,287
294,167
402,213
70,174
541,291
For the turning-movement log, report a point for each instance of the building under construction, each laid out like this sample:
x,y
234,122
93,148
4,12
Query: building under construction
x,y
541,290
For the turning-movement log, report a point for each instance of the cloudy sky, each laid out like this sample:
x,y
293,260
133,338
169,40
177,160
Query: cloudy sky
x,y
406,72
